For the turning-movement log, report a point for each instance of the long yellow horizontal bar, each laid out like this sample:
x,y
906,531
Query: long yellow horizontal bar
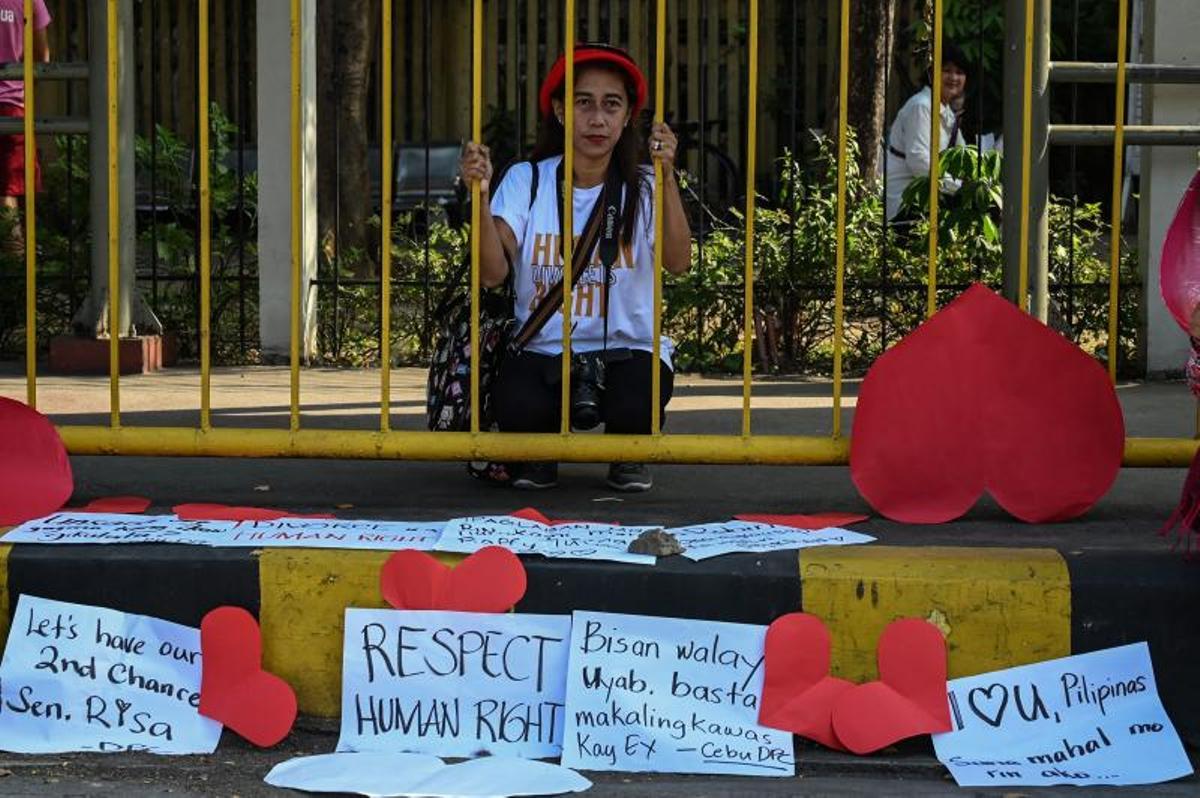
x,y
420,445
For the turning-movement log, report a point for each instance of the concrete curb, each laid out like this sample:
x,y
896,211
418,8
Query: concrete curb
x,y
999,607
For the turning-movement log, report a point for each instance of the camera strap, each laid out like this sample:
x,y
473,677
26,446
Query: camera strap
x,y
603,230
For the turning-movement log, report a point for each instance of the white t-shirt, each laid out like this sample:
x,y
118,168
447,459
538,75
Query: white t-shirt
x,y
538,266
910,135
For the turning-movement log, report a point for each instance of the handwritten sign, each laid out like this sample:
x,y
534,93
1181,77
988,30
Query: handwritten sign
x,y
670,696
711,540
453,683
78,678
336,533
584,541
1084,720
320,533
70,527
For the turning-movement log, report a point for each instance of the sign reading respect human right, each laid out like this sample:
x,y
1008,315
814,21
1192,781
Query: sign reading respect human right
x,y
453,683
1090,719
669,695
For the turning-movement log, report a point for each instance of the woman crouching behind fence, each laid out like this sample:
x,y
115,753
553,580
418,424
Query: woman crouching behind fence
x,y
612,340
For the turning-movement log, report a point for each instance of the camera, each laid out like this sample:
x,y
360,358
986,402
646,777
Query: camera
x,y
587,389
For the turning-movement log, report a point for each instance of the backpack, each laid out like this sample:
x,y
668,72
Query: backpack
x,y
448,388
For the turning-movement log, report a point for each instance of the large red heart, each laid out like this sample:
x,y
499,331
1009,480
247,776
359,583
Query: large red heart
x,y
798,693
984,397
490,580
910,696
234,689
35,474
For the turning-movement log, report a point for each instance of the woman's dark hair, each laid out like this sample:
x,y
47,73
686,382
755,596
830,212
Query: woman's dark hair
x,y
628,155
951,54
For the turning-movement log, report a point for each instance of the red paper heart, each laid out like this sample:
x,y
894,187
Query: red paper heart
x,y
124,505
984,397
532,514
910,696
800,521
234,689
35,474
225,512
490,580
798,693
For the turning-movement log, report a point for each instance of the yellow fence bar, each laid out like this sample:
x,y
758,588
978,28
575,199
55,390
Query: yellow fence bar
x,y
751,153
297,238
368,444
476,198
935,157
205,211
385,222
840,273
1026,154
30,217
568,211
1114,274
660,74
114,224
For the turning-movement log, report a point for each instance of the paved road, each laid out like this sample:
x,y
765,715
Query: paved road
x,y
236,770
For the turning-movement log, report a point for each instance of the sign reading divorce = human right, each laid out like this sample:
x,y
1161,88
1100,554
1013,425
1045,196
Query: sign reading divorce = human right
x,y
669,695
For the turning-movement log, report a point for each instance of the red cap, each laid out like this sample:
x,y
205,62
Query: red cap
x,y
588,54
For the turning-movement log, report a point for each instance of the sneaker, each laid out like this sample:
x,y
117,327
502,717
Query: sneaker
x,y
536,476
629,477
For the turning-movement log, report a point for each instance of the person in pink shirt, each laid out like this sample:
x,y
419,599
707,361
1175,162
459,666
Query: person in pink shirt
x,y
12,92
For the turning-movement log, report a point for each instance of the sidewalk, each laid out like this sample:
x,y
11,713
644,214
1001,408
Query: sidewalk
x,y
1004,592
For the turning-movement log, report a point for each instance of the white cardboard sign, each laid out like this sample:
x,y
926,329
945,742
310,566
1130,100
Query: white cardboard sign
x,y
79,678
69,527
669,695
702,541
577,540
1090,719
316,533
453,683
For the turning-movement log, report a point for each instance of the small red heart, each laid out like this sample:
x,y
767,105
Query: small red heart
x,y
801,521
984,397
124,505
490,580
35,474
910,696
798,693
224,512
234,689
533,514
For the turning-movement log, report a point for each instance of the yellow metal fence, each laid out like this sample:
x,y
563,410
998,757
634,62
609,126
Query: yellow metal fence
x,y
208,440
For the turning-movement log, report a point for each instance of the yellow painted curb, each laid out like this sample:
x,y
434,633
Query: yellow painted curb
x,y
998,607
304,596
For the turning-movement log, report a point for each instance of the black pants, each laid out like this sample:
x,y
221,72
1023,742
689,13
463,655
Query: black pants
x,y
528,393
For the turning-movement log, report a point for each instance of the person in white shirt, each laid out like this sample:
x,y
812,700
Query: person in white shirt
x,y
908,142
613,329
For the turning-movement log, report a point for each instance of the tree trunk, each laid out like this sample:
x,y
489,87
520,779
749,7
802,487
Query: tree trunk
x,y
872,49
345,39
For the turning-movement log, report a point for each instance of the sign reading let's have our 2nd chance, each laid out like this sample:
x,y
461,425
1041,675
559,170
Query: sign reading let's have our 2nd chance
x,y
79,678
